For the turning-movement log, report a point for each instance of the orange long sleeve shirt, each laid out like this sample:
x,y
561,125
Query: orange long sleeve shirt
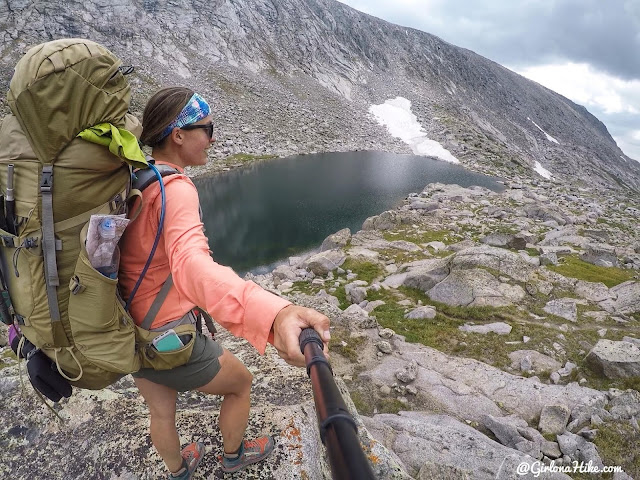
x,y
240,306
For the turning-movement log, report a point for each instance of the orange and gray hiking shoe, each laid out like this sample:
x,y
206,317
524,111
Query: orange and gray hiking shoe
x,y
192,455
251,451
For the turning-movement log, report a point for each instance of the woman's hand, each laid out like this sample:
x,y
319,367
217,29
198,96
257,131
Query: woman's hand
x,y
288,325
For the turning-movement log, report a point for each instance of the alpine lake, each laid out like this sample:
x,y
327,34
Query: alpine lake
x,y
260,214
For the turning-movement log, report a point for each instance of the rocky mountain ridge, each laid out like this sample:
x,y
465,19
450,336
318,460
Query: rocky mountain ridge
x,y
287,76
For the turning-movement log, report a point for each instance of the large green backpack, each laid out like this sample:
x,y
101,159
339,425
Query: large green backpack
x,y
61,303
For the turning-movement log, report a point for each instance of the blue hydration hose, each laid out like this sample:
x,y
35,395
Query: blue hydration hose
x,y
155,242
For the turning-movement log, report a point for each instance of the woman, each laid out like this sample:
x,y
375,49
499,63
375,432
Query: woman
x,y
178,126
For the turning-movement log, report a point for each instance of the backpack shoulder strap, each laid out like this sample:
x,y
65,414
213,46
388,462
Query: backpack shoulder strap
x,y
157,303
144,178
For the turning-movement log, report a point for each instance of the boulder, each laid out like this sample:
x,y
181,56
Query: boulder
x,y
425,275
427,312
422,205
336,240
420,438
355,293
563,307
431,470
475,287
324,262
549,258
497,239
592,291
328,298
615,359
408,373
499,328
284,273
545,214
508,263
553,419
540,363
600,254
385,221
627,297
363,254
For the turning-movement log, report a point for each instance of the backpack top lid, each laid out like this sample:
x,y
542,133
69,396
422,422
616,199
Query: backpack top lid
x,y
62,87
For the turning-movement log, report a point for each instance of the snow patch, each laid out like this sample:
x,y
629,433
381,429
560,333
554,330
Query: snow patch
x,y
543,172
549,137
401,123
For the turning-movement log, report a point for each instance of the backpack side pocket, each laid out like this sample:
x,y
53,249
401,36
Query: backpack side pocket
x,y
152,358
102,331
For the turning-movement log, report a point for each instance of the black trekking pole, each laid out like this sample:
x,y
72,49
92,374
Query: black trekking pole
x,y
338,429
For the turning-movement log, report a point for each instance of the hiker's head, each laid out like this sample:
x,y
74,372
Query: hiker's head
x,y
178,118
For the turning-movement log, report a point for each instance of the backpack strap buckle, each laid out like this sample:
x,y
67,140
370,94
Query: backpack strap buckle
x,y
8,241
46,180
75,286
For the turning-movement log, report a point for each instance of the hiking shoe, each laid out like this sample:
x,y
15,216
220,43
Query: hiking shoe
x,y
251,451
192,455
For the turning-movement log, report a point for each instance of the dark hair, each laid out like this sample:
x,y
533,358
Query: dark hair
x,y
160,111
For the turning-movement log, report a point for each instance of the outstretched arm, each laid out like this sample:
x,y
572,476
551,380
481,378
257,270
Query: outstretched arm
x,y
288,325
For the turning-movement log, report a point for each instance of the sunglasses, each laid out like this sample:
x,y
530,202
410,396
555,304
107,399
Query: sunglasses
x,y
208,126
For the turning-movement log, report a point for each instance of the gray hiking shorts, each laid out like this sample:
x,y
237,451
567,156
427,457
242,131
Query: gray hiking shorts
x,y
197,372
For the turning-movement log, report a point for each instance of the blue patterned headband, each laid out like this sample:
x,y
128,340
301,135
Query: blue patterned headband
x,y
195,109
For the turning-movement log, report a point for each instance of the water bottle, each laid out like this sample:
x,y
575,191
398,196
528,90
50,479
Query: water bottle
x,y
107,228
107,231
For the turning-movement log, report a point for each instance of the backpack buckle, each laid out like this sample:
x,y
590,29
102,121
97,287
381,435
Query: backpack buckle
x,y
75,286
46,180
8,241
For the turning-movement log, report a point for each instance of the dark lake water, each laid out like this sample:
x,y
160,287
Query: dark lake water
x,y
265,212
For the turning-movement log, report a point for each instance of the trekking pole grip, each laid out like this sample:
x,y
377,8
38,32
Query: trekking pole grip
x,y
309,335
311,347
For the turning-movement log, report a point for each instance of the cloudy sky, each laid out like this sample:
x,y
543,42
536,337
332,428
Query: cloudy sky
x,y
586,50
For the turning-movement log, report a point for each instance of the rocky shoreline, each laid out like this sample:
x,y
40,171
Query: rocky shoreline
x,y
560,365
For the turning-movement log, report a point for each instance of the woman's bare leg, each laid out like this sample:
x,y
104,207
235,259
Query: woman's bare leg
x,y
162,409
233,381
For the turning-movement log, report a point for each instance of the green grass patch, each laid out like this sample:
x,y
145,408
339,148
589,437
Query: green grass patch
x,y
306,288
367,404
442,333
483,314
575,268
619,444
367,271
346,345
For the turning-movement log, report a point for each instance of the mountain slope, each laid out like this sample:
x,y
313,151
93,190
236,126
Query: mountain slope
x,y
289,76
